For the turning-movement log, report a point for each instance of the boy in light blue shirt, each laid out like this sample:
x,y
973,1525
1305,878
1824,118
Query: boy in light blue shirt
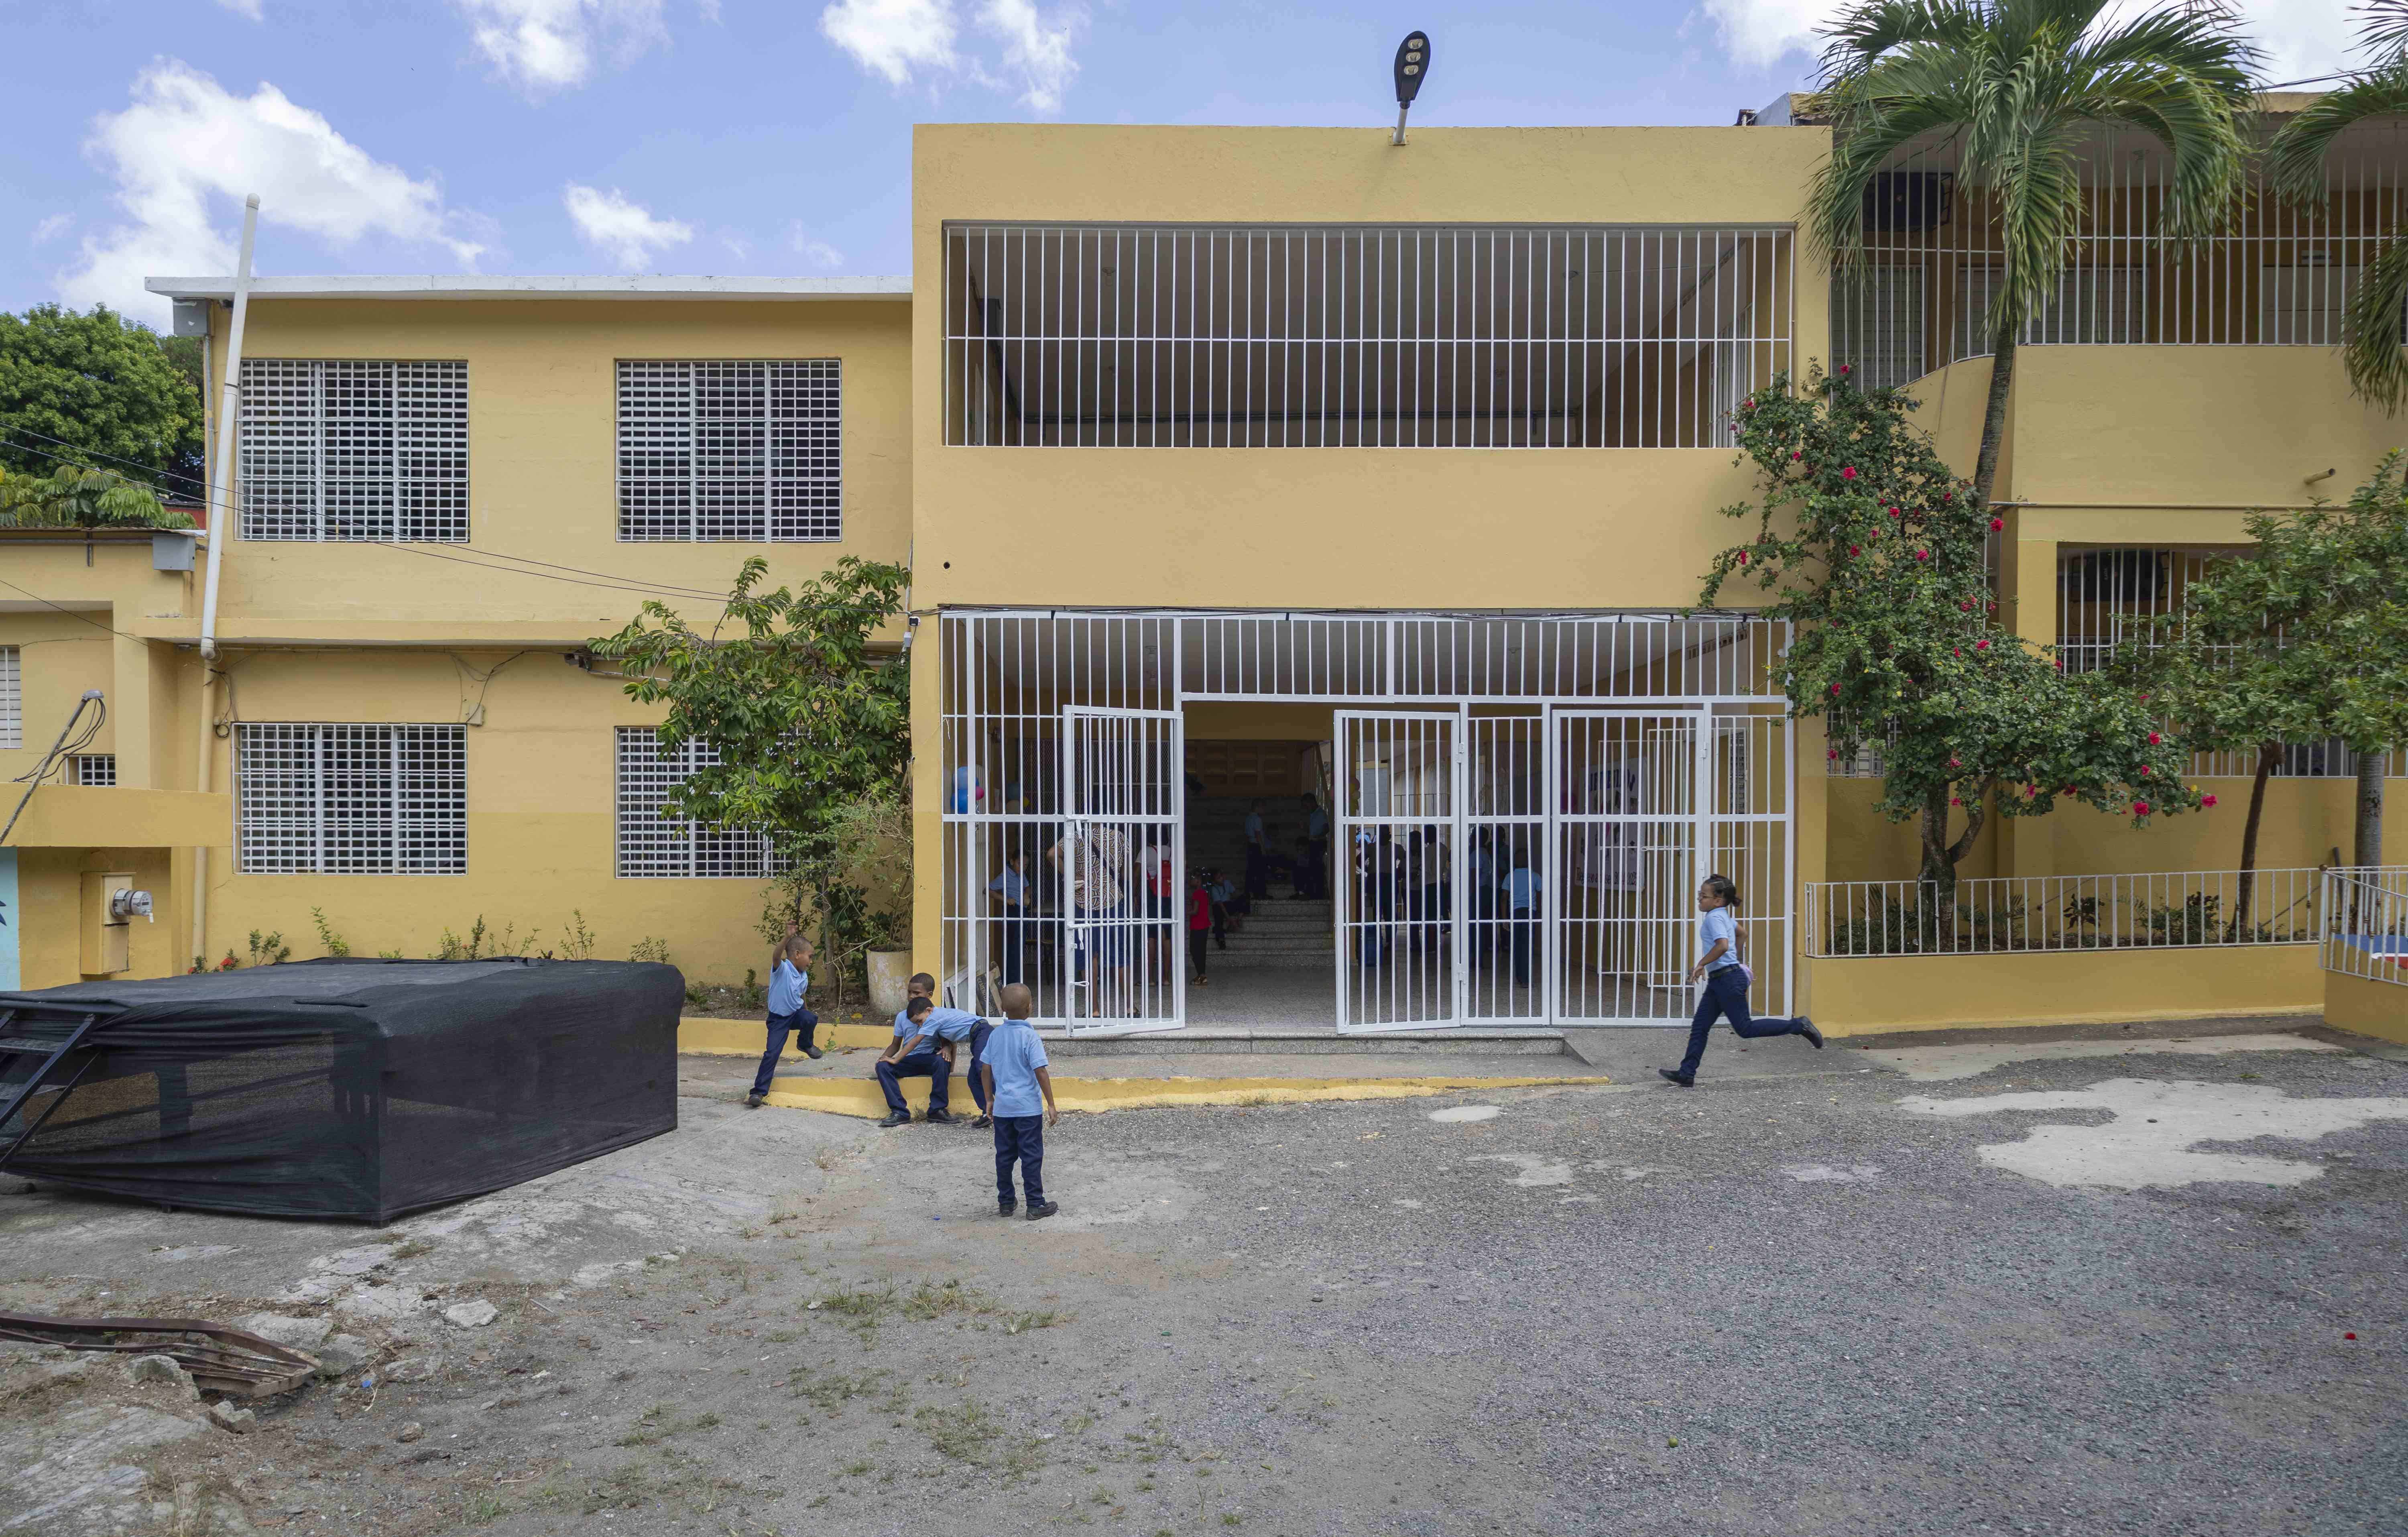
x,y
1014,1071
789,978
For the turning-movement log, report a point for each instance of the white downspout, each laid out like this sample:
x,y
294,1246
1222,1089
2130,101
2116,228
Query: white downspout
x,y
220,515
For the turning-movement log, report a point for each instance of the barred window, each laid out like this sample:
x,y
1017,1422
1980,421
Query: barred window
x,y
12,700
91,770
730,450
343,800
353,452
651,845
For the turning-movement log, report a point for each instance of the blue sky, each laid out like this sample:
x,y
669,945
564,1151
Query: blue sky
x,y
741,135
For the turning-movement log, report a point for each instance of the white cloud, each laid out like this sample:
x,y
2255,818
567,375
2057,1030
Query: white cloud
x,y
891,39
2301,38
249,9
1035,49
903,41
542,46
186,141
51,228
626,231
816,251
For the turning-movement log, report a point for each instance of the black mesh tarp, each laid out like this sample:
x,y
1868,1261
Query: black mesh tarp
x,y
355,1089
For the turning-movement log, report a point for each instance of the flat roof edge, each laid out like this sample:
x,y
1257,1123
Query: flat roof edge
x,y
569,286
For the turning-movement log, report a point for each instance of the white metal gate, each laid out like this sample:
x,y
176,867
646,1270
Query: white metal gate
x,y
1625,862
1398,787
1122,864
1505,829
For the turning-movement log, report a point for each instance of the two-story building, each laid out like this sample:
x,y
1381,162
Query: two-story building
x,y
1233,465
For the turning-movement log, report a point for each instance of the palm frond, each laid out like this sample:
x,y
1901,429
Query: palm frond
x,y
2371,327
2296,158
2384,33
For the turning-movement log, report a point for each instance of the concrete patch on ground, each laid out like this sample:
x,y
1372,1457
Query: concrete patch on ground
x,y
72,1463
1466,1113
1936,1064
1818,1173
2154,1129
1535,1171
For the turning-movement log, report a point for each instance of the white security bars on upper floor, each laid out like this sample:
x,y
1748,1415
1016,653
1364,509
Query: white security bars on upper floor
x,y
13,699
2280,274
1359,336
353,452
738,450
1517,808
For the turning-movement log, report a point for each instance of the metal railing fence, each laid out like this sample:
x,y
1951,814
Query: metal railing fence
x,y
1999,914
2366,925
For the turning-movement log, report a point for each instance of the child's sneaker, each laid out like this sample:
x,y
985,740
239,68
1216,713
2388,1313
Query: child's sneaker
x,y
1038,1213
982,1123
1005,1208
754,1101
813,1052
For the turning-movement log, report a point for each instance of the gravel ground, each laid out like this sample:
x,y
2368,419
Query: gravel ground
x,y
1765,1306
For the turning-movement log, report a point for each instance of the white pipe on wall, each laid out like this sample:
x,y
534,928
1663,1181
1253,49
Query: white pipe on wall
x,y
220,515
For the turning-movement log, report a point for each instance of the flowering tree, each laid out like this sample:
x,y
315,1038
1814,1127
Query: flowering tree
x,y
1874,551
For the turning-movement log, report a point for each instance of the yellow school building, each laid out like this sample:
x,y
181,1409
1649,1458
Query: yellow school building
x,y
1366,484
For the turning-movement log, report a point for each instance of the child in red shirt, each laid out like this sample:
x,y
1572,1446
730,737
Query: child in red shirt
x,y
1199,926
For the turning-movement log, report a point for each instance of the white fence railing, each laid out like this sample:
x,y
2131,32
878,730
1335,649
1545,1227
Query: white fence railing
x,y
2366,927
1995,915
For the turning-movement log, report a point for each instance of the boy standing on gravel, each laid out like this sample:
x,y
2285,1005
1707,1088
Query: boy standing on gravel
x,y
789,977
1014,1070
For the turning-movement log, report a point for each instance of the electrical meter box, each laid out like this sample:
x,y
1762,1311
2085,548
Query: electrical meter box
x,y
108,922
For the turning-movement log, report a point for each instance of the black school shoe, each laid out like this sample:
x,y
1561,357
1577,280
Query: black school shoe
x,y
1806,1027
1681,1079
1039,1213
1005,1208
897,1118
939,1117
753,1102
982,1123
813,1052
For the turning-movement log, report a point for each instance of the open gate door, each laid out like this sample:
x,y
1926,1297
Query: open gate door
x,y
1626,863
1124,868
1400,785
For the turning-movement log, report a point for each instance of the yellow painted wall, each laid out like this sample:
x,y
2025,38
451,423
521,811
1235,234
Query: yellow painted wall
x,y
2379,1009
50,887
1331,528
1864,994
542,458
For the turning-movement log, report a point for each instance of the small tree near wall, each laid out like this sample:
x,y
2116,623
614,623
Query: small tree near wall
x,y
1876,553
810,722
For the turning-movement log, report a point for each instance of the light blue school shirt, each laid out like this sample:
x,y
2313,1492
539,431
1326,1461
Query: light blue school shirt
x,y
786,986
1014,1052
938,1024
1522,888
1717,923
1011,887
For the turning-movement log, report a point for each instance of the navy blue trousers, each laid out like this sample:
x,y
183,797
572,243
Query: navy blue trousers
x,y
978,1032
1020,1139
927,1062
1726,996
801,1019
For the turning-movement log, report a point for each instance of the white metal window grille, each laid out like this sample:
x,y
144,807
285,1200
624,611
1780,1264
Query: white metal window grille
x,y
651,845
730,450
1877,326
2275,276
351,800
93,769
13,699
345,450
1013,683
1329,337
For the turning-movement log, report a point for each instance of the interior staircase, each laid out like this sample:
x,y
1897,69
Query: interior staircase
x,y
1283,929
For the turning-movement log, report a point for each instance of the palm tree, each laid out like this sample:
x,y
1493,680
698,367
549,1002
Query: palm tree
x,y
2370,325
74,497
2021,85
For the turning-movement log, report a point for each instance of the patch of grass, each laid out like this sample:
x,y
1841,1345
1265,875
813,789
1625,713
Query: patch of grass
x,y
966,1433
660,1422
929,1302
412,1248
484,1508
1020,1323
831,1390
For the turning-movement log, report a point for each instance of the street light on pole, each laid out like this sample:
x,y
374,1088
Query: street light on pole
x,y
1413,67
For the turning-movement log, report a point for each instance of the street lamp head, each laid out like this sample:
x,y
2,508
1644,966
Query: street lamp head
x,y
1413,65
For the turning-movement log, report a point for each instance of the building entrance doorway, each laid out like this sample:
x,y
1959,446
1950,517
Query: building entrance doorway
x,y
1467,821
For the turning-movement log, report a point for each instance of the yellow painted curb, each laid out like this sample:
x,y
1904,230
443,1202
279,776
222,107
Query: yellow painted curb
x,y
746,1037
860,1097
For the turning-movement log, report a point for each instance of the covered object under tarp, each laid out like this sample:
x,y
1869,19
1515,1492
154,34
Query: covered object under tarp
x,y
349,1088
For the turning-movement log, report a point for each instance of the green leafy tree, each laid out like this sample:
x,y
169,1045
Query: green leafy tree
x,y
108,390
809,720
2021,86
2304,638
2370,323
1874,551
82,498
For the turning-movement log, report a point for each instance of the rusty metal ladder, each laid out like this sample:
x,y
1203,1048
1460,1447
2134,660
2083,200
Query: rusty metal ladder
x,y
33,1052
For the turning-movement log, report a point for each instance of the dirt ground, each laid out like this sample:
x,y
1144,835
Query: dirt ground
x,y
1819,1303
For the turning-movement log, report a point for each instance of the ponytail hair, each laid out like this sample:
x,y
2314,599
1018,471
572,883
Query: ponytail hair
x,y
1723,891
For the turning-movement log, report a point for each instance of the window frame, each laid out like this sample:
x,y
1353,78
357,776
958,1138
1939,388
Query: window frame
x,y
306,480
686,845
710,433
417,817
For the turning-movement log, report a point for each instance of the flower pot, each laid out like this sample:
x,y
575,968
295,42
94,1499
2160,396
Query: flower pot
x,y
890,979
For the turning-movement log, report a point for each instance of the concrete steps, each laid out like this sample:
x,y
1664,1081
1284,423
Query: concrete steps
x,y
1278,932
1214,1040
